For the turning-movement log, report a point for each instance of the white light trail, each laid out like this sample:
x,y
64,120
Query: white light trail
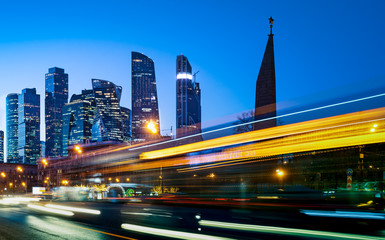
x,y
286,231
74,209
50,210
169,233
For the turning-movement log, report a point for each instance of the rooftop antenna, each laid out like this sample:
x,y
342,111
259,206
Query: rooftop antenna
x,y
195,76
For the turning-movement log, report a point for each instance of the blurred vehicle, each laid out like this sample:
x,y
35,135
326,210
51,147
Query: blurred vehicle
x,y
70,193
126,190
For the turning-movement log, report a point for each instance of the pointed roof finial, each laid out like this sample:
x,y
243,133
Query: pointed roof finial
x,y
271,20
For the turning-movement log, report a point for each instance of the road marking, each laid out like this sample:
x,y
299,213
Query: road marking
x,y
111,234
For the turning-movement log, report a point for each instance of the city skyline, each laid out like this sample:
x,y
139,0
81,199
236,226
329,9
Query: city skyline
x,y
86,55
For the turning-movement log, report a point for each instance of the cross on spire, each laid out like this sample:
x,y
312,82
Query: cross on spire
x,y
271,20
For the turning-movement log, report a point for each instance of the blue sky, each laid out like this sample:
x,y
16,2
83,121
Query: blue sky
x,y
319,46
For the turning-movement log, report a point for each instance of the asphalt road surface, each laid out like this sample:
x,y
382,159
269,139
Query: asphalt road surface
x,y
179,221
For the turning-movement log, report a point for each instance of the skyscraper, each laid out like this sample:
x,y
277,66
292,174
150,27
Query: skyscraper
x,y
144,97
188,99
126,120
56,96
265,99
12,127
107,124
42,149
1,146
29,126
78,116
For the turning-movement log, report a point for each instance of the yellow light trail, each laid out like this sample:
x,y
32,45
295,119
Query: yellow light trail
x,y
329,133
270,133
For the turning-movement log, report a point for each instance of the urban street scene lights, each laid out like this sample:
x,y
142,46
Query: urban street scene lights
x,y
65,182
3,175
44,161
19,169
25,186
78,149
280,175
151,126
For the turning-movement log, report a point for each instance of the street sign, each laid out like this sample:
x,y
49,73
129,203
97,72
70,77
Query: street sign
x,y
349,172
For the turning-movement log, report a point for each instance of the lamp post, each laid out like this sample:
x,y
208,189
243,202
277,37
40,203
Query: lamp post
x,y
280,175
3,176
25,186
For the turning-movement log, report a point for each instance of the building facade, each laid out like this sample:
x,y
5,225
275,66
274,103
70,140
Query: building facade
x,y
144,97
1,146
188,99
126,120
78,116
17,178
12,117
29,126
56,96
107,124
42,149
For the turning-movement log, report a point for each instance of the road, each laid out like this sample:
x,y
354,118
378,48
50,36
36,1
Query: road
x,y
187,221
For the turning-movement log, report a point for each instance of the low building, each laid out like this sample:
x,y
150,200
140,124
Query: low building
x,y
17,178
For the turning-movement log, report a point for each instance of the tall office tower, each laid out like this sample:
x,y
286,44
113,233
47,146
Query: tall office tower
x,y
265,100
107,124
188,99
29,126
126,118
144,97
78,116
56,96
12,127
42,149
1,146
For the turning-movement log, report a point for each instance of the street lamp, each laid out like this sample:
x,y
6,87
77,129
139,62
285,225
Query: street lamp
x,y
64,182
25,186
280,175
3,175
78,149
44,161
19,169
151,126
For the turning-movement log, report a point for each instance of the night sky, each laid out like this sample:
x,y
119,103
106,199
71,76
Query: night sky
x,y
320,46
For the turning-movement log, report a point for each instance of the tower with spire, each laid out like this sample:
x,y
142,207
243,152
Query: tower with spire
x,y
265,97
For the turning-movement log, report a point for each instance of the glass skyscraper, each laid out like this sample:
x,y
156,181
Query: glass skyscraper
x,y
12,127
56,96
126,120
188,99
29,126
144,97
1,146
107,124
78,116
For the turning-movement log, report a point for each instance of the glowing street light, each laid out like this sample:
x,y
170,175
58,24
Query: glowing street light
x,y
64,182
20,169
151,126
117,180
279,173
78,149
44,161
3,174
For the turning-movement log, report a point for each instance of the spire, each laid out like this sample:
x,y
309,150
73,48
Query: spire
x,y
265,99
271,20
